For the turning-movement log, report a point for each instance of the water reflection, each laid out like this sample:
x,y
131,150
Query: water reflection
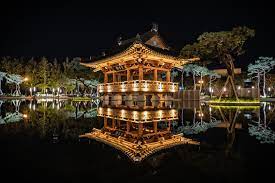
x,y
138,134
227,150
52,119
260,128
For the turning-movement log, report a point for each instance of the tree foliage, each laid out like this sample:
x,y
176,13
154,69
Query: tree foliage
x,y
259,69
221,47
46,73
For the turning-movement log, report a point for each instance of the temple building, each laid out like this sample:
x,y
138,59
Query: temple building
x,y
138,69
137,95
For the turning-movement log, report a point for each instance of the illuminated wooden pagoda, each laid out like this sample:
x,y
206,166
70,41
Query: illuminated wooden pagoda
x,y
138,69
138,134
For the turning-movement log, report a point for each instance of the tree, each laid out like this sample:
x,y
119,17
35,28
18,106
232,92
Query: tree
x,y
200,71
190,69
56,76
17,79
262,66
31,70
212,77
2,75
43,73
223,47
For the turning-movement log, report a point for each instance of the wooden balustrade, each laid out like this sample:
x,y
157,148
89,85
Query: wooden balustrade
x,y
138,85
138,116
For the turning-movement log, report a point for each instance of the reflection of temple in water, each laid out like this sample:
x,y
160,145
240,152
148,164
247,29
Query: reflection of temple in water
x,y
138,133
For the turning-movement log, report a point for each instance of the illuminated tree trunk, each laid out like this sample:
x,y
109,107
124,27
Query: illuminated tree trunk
x,y
230,78
264,113
194,115
210,86
1,93
194,82
200,83
258,85
182,78
264,92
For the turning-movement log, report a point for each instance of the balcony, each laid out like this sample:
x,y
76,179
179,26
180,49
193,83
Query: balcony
x,y
138,85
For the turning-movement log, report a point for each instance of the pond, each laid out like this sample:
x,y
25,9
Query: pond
x,y
74,141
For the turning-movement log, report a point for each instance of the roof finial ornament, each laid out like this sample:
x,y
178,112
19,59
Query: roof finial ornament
x,y
138,38
119,40
154,27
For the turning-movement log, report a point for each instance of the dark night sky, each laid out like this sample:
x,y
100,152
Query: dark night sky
x,y
86,29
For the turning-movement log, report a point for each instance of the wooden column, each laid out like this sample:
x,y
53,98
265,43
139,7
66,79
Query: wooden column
x,y
168,76
119,77
155,74
105,122
140,72
113,123
128,126
128,75
118,123
105,77
114,77
140,129
155,126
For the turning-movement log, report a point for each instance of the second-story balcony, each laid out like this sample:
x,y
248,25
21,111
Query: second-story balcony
x,y
138,85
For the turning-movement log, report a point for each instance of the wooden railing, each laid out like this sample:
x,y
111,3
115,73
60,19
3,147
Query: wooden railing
x,y
138,85
138,116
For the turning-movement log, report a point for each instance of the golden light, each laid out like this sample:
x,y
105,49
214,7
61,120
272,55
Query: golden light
x,y
123,113
200,114
26,79
145,115
160,114
25,115
135,115
239,87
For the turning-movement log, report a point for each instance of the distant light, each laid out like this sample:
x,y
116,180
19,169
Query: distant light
x,y
239,87
34,89
200,114
25,115
26,79
200,81
252,87
269,107
269,89
211,90
248,91
30,89
224,89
